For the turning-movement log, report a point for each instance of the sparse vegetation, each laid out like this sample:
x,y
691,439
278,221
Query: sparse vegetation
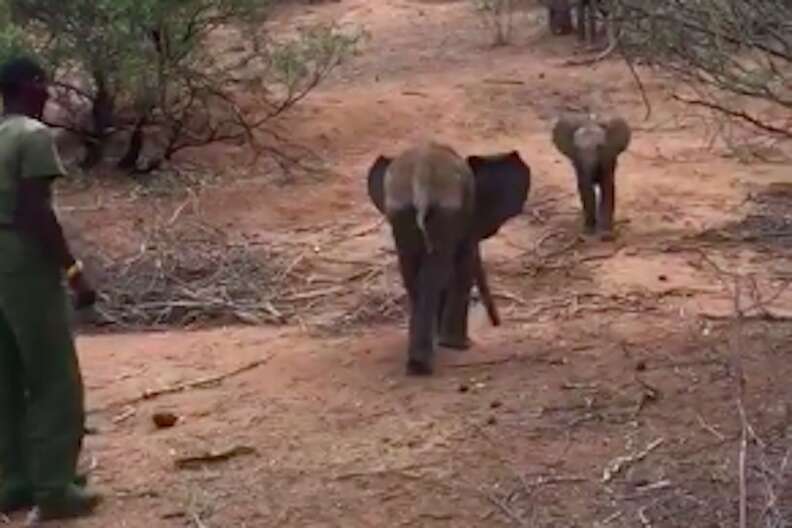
x,y
725,53
638,383
139,81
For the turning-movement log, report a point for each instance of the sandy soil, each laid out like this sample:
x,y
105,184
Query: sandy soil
x,y
606,348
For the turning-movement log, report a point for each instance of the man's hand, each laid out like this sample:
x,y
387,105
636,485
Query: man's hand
x,y
84,293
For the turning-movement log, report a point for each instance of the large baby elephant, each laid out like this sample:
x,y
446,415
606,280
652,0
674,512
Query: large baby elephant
x,y
439,206
593,145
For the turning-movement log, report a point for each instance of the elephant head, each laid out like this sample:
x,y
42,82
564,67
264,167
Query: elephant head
x,y
496,187
590,139
502,182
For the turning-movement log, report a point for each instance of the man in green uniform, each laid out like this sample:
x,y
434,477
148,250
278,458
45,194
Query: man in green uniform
x,y
41,391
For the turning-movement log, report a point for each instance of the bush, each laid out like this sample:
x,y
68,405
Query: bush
x,y
728,51
151,74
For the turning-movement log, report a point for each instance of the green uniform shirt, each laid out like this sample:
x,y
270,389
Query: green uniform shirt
x,y
27,150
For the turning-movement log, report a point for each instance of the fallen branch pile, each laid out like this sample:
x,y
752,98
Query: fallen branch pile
x,y
188,274
191,273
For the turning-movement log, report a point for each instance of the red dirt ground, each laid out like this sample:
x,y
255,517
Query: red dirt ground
x,y
605,347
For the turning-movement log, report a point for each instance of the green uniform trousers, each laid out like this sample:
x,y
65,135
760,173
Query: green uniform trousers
x,y
41,389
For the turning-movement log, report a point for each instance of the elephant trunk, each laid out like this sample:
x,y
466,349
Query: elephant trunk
x,y
483,286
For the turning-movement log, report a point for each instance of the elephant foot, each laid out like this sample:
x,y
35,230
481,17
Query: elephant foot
x,y
607,235
455,342
588,230
419,368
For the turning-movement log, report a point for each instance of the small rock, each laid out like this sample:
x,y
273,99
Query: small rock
x,y
640,366
495,404
662,278
463,388
492,420
164,419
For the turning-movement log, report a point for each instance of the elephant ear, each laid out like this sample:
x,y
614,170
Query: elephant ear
x,y
564,132
618,134
376,182
502,183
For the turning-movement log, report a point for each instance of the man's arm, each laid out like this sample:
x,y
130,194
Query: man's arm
x,y
39,165
35,217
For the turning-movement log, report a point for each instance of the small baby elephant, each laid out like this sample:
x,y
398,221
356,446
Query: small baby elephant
x,y
593,144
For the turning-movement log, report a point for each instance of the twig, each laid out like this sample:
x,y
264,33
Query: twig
x,y
739,388
709,428
128,413
511,297
483,363
639,83
643,518
178,211
414,93
203,382
219,456
556,479
742,474
313,294
378,472
609,519
197,520
364,230
597,58
616,465
504,81
739,114
511,514
196,384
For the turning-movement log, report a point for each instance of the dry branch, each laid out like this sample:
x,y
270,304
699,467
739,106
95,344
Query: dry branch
x,y
616,465
203,382
195,461
151,394
485,363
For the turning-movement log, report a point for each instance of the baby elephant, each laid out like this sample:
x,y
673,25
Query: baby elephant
x,y
440,206
593,145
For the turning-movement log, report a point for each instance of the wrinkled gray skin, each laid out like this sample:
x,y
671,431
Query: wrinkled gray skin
x,y
593,145
439,207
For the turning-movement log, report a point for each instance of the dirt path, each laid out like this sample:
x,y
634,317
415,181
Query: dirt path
x,y
601,353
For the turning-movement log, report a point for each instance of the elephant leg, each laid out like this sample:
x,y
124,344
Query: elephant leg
x,y
588,201
454,316
581,20
592,21
442,302
432,279
409,265
607,204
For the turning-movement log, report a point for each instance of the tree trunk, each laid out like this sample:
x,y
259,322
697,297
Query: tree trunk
x,y
102,119
130,159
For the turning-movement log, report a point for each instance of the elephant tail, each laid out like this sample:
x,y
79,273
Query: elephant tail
x,y
423,205
422,214
483,286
